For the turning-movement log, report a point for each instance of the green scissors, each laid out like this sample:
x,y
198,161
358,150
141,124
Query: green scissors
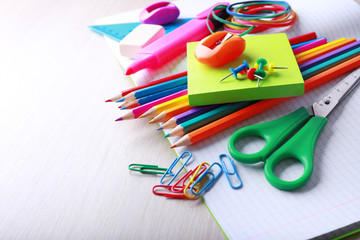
x,y
301,145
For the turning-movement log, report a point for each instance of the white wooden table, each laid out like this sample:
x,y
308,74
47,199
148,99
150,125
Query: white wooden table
x,y
63,159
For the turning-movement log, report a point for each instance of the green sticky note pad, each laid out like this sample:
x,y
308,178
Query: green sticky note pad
x,y
204,87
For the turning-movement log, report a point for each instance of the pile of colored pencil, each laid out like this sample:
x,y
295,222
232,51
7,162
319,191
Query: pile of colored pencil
x,y
165,100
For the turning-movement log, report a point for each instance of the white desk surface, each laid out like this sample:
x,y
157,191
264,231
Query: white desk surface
x,y
63,160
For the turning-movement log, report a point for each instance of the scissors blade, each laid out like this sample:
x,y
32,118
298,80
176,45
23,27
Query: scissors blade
x,y
325,105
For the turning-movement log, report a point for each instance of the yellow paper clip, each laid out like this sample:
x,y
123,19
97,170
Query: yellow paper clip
x,y
209,177
192,179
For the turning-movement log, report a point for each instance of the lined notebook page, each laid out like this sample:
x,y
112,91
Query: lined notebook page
x,y
329,204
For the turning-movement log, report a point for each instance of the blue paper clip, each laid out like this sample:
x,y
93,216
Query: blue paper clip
x,y
210,182
168,171
227,173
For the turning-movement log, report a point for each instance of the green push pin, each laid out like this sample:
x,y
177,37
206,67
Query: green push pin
x,y
260,71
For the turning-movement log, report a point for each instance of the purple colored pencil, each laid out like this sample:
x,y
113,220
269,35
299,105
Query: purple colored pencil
x,y
328,56
185,116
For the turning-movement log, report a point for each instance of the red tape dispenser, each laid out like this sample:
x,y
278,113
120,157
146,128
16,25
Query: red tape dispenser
x,y
219,48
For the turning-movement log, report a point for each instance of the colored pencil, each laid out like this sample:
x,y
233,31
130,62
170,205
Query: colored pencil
x,y
173,111
185,116
137,112
161,80
303,43
329,55
302,38
310,45
227,121
157,109
330,63
320,47
323,49
154,89
208,117
152,97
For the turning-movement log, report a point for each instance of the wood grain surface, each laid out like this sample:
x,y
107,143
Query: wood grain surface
x,y
63,159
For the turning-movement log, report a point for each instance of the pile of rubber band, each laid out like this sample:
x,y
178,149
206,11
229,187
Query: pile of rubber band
x,y
254,16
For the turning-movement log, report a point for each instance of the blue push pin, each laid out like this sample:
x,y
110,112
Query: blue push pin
x,y
236,70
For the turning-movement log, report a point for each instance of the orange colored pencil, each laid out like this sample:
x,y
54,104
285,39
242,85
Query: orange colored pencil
x,y
171,112
323,49
225,122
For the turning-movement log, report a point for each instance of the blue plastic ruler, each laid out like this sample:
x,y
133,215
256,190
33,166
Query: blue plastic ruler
x,y
118,31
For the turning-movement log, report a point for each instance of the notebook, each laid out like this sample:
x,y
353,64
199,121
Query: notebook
x,y
329,204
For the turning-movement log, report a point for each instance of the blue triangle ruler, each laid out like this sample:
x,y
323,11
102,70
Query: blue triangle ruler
x,y
118,31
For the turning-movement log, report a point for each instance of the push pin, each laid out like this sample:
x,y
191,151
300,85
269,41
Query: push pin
x,y
260,66
236,70
251,74
269,68
260,69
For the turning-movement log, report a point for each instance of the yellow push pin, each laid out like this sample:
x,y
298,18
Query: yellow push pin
x,y
269,68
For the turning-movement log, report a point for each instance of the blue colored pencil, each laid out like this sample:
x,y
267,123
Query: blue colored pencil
x,y
154,89
152,97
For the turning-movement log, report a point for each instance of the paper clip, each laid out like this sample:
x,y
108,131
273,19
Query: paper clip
x,y
177,188
168,171
192,181
169,194
144,168
211,181
227,173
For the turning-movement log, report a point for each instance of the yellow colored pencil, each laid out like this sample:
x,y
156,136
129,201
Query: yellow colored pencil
x,y
154,111
171,112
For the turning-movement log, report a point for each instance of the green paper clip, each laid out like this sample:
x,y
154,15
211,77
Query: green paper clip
x,y
145,168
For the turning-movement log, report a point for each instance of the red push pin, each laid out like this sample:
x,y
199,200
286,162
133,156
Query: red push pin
x,y
251,74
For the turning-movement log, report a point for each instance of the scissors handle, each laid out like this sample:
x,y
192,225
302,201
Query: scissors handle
x,y
273,132
301,147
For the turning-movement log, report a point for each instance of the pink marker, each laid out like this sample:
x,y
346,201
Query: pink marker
x,y
310,45
173,44
137,112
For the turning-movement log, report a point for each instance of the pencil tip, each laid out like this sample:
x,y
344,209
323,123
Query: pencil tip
x,y
109,100
167,135
173,146
121,99
160,128
129,71
122,108
119,119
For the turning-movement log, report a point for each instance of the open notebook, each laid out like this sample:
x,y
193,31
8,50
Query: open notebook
x,y
329,204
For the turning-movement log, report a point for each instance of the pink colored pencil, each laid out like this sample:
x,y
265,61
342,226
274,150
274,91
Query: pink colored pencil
x,y
311,45
138,111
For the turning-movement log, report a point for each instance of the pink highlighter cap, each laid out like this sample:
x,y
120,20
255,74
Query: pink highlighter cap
x,y
159,13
